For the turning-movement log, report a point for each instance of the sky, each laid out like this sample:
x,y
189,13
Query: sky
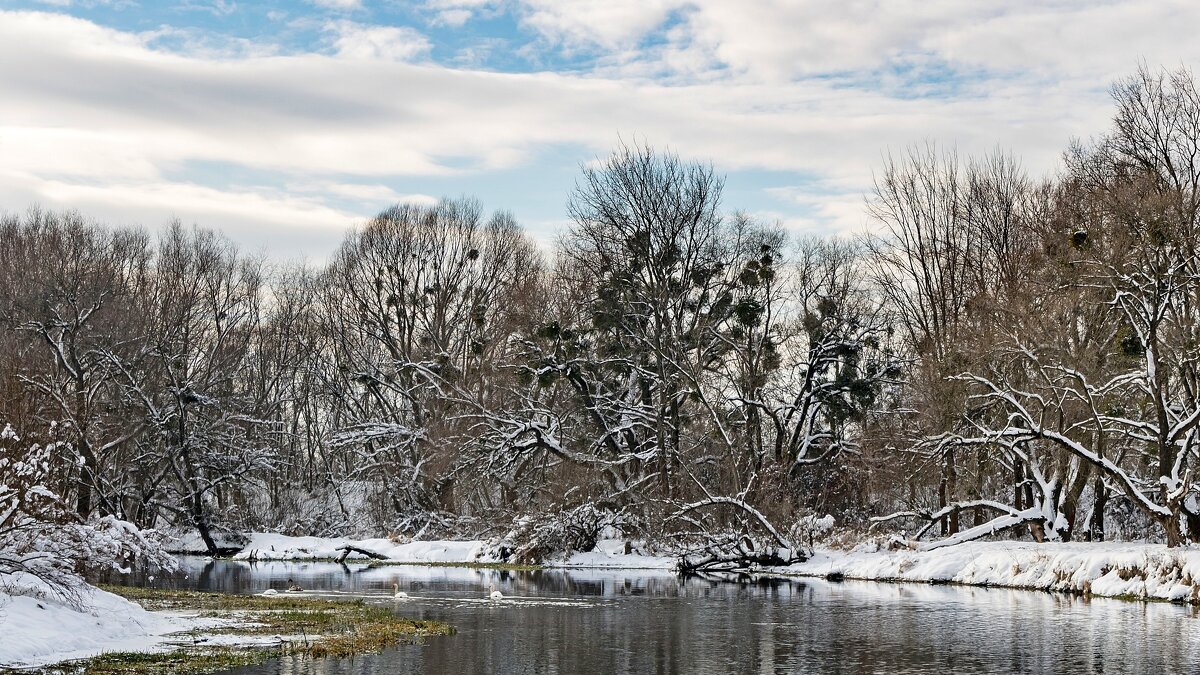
x,y
284,123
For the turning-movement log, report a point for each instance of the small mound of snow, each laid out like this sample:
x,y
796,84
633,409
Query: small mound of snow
x,y
40,627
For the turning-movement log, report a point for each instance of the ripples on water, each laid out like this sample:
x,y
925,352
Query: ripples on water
x,y
631,621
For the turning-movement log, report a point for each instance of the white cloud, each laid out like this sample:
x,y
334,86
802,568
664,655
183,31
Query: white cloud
x,y
199,43
455,13
99,118
282,224
375,196
778,41
342,5
607,23
214,7
454,18
824,212
388,43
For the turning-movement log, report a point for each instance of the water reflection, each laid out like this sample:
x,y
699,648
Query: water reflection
x,y
600,621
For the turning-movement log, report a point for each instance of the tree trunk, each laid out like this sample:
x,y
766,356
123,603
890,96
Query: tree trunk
x,y
1018,485
201,524
951,492
87,476
1098,504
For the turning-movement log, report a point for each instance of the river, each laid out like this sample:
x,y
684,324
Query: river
x,y
639,621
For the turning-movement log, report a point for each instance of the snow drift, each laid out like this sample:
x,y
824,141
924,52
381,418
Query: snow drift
x,y
40,626
1144,571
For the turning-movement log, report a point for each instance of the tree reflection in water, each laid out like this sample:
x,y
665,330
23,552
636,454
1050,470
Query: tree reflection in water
x,y
644,621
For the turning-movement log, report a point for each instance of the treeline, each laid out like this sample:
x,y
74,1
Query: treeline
x,y
1001,353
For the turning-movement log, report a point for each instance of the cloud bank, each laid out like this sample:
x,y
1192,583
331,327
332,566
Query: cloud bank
x,y
800,98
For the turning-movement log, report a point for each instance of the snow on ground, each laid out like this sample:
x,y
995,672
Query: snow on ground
x,y
1150,571
609,553
39,627
266,546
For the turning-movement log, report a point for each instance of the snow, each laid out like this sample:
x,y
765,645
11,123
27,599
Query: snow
x,y
1138,570
267,546
375,581
609,553
1148,571
40,627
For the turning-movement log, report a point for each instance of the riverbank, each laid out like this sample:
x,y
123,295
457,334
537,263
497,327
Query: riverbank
x,y
1116,570
40,626
142,630
609,553
1110,569
609,621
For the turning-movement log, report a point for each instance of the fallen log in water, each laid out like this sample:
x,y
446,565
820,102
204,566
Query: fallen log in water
x,y
348,549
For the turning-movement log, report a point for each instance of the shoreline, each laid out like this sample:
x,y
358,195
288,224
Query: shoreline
x,y
181,631
1122,570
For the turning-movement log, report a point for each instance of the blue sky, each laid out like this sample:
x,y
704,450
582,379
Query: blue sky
x,y
284,123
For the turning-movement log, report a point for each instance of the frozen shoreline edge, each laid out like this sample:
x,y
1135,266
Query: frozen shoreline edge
x,y
1123,570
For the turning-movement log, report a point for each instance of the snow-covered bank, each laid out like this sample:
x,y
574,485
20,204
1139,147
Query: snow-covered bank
x,y
609,553
38,627
1148,571
266,546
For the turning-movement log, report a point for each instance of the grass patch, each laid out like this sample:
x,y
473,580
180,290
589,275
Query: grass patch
x,y
311,626
182,661
324,627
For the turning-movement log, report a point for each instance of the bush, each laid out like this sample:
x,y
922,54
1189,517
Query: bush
x,y
538,537
40,536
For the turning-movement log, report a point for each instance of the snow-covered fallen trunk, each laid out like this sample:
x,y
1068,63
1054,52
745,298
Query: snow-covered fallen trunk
x,y
1148,571
38,627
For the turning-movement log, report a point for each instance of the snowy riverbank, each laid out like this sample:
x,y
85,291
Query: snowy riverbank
x,y
609,553
1134,570
186,630
39,627
1144,571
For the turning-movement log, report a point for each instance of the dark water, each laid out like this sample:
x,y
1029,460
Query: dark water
x,y
595,621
